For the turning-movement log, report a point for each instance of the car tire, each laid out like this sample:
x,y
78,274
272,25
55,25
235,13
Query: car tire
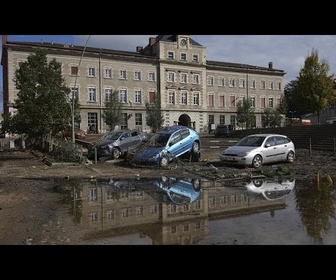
x,y
116,153
195,147
290,157
195,157
164,161
257,161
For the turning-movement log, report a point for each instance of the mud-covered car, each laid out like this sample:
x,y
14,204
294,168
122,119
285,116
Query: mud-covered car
x,y
168,144
115,144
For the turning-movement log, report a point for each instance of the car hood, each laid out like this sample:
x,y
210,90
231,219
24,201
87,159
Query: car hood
x,y
148,152
239,149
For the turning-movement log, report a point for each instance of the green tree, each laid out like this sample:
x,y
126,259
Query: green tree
x,y
154,116
112,112
245,113
42,105
271,118
314,88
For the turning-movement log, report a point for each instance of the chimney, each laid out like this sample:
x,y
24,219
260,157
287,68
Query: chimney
x,y
152,41
270,65
139,49
4,39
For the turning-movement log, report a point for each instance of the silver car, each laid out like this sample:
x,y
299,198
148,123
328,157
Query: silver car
x,y
258,149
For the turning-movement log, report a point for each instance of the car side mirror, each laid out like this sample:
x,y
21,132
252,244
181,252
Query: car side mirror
x,y
267,145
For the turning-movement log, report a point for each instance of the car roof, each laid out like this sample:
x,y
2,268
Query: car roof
x,y
267,134
173,128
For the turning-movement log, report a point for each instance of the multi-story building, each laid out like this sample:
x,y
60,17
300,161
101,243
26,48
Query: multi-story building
x,y
193,91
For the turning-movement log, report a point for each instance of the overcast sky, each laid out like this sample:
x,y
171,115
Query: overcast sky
x,y
287,52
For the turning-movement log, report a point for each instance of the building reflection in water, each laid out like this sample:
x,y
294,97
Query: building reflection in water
x,y
167,210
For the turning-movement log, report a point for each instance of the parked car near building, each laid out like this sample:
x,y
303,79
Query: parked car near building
x,y
168,144
114,144
258,149
222,130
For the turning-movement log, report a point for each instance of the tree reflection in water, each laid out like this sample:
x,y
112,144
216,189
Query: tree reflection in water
x,y
315,204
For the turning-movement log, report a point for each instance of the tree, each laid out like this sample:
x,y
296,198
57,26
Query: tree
x,y
271,118
42,106
154,117
314,88
112,112
245,113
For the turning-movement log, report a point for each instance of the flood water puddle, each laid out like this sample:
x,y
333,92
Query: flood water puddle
x,y
186,211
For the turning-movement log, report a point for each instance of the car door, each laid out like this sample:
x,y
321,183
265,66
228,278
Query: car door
x,y
175,146
282,147
270,150
125,141
136,139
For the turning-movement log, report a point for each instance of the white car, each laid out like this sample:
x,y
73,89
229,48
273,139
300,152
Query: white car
x,y
270,189
258,149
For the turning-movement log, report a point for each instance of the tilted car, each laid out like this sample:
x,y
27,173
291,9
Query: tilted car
x,y
258,149
118,143
168,144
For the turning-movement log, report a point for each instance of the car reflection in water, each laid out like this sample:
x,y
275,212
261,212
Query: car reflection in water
x,y
163,189
269,189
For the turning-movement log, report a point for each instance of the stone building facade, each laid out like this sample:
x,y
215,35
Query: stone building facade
x,y
193,91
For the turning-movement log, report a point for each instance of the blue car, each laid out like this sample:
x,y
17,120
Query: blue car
x,y
168,144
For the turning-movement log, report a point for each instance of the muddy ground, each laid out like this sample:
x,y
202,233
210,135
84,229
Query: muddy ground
x,y
29,209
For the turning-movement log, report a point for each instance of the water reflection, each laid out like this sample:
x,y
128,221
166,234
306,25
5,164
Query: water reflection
x,y
164,210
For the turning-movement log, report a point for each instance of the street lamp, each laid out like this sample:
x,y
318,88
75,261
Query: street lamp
x,y
73,95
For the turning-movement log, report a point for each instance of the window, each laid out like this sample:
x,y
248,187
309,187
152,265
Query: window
x,y
137,75
151,76
270,102
153,209
94,217
222,119
221,101
123,95
221,81
137,96
92,72
139,211
110,214
171,97
195,79
184,97
108,73
252,99
151,97
262,102
232,82
183,57
170,55
270,85
253,83
211,100
232,101
210,81
212,202
242,83
74,70
195,58
108,94
262,85
196,98
92,119
126,212
138,119
123,122
122,74
171,77
211,119
183,78
233,120
92,94
223,200
278,86
74,92
93,196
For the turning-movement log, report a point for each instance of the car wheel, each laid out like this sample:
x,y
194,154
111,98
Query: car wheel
x,y
196,157
290,157
257,183
116,153
164,161
195,147
257,161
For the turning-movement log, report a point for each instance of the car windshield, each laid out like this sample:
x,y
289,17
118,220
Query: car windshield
x,y
160,139
251,141
111,136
